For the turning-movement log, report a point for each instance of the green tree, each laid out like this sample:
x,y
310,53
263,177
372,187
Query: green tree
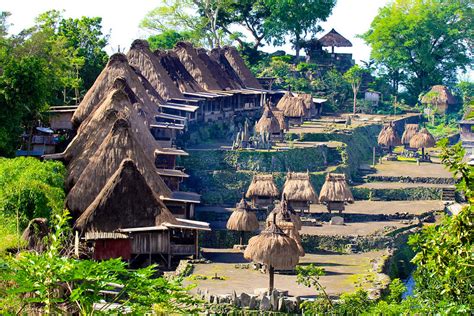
x,y
55,283
429,41
167,39
296,19
354,76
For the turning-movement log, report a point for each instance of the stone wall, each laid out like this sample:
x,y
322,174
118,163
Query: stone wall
x,y
404,194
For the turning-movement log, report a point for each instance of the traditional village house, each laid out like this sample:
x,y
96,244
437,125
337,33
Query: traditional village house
x,y
309,104
268,123
127,219
299,191
293,108
467,138
335,192
243,219
441,98
262,190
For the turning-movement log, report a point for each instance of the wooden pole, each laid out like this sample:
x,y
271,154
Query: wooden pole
x,y
241,237
197,244
76,244
373,156
271,273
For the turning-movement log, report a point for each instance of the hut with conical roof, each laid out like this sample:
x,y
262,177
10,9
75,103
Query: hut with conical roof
x,y
35,234
408,133
335,192
388,137
262,190
334,39
273,248
299,191
292,107
268,123
441,97
309,104
242,219
122,226
423,139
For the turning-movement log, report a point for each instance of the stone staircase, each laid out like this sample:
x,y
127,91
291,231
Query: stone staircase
x,y
449,194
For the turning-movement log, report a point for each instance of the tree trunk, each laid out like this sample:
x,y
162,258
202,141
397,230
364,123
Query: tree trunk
x,y
271,273
355,101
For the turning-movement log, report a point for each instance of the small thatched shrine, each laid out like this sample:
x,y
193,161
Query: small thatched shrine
x,y
408,133
293,107
242,219
262,190
388,137
273,248
440,97
288,221
35,234
309,104
423,139
299,191
121,226
334,39
335,192
268,123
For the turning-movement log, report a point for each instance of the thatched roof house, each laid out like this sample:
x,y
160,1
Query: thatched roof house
x,y
281,118
388,137
334,39
238,64
188,56
440,96
298,187
242,218
422,139
292,106
262,185
177,72
214,68
268,123
409,132
141,57
113,208
117,67
308,102
121,143
218,55
336,189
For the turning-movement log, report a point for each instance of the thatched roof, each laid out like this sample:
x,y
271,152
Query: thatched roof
x,y
280,117
388,137
273,248
195,66
214,68
238,64
262,185
422,139
410,131
117,67
335,189
307,99
268,122
177,72
35,234
283,213
243,219
298,187
292,106
94,130
126,200
218,55
121,143
333,38
438,94
141,57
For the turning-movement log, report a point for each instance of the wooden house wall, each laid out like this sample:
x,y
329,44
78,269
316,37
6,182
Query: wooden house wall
x,y
150,242
61,120
112,248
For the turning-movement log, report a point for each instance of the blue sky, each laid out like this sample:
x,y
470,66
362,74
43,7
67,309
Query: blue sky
x,y
121,19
